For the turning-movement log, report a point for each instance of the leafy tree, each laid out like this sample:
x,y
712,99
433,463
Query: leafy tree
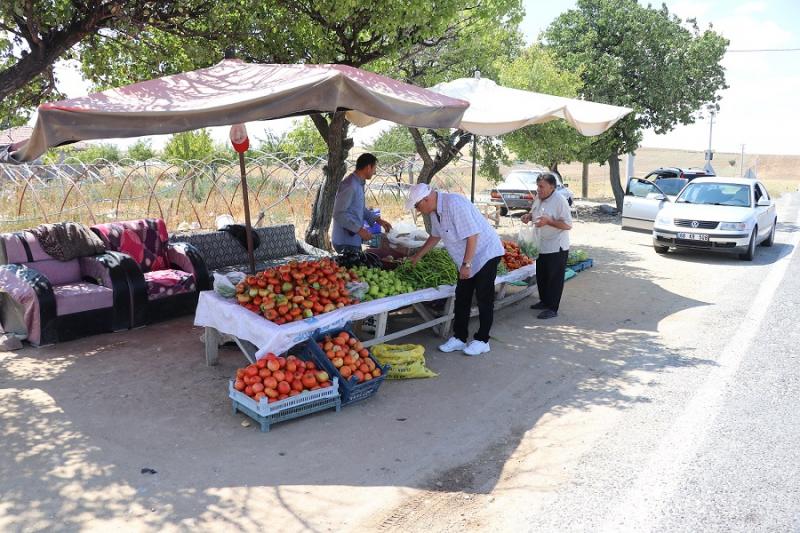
x,y
640,57
393,147
190,145
34,34
304,142
481,43
553,142
141,151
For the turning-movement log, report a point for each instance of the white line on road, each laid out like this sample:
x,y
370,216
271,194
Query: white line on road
x,y
643,504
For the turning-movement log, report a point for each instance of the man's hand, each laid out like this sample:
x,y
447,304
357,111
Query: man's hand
x,y
364,234
415,259
526,218
544,220
465,272
385,225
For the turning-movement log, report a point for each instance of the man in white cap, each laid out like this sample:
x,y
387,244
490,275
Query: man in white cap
x,y
475,248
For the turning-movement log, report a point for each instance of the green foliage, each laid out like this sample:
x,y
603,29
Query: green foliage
x,y
494,155
37,33
553,142
95,152
640,57
304,141
191,145
141,151
393,146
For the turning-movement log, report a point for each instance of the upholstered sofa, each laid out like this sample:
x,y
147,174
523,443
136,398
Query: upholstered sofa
x,y
48,300
224,253
165,278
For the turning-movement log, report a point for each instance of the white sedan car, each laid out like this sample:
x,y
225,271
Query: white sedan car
x,y
717,214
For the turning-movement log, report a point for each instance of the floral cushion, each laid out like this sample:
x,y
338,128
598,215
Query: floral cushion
x,y
145,240
168,282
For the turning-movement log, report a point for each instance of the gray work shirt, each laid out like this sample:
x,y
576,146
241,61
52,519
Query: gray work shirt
x,y
350,212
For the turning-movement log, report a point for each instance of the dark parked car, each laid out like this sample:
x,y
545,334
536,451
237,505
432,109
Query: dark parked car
x,y
676,172
518,189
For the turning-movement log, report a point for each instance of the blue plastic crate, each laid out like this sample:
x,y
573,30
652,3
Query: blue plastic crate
x,y
583,265
350,390
305,403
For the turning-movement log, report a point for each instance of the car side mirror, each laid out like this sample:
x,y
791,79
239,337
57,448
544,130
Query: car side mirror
x,y
764,202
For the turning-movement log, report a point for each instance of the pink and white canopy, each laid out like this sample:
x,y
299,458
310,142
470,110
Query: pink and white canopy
x,y
233,92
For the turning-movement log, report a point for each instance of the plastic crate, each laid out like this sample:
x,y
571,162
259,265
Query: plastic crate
x,y
583,265
305,403
351,390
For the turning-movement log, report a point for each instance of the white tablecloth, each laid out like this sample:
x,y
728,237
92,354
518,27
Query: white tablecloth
x,y
227,316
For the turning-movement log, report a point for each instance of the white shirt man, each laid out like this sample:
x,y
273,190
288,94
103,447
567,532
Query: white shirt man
x,y
475,247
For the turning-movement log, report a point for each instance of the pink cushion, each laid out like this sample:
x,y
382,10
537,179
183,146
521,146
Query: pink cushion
x,y
58,272
164,283
76,297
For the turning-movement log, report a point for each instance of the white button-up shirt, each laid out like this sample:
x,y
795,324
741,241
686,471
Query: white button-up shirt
x,y
455,219
552,239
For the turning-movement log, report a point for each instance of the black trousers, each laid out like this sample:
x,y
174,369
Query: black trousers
x,y
482,286
550,270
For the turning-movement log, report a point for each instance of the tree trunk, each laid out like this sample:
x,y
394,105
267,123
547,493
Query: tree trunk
x,y
339,145
585,180
616,184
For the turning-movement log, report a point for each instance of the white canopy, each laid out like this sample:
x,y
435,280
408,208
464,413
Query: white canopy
x,y
234,92
495,110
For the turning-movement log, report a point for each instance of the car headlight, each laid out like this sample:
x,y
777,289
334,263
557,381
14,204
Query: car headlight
x,y
733,226
664,220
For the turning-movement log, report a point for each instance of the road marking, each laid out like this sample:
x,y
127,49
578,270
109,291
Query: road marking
x,y
643,504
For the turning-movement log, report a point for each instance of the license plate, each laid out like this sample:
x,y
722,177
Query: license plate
x,y
512,196
693,236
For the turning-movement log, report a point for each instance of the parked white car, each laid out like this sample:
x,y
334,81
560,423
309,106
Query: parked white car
x,y
716,214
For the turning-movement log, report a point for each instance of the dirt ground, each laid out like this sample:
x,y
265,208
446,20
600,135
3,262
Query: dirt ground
x,y
133,431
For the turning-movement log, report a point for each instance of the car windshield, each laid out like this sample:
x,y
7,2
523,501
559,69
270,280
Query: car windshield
x,y
731,194
525,180
671,186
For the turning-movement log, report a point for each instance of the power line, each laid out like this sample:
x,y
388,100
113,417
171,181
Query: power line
x,y
766,50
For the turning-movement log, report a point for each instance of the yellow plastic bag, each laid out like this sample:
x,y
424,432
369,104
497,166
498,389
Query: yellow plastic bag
x,y
407,360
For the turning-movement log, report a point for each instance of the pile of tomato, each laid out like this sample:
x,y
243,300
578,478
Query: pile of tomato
x,y
514,258
296,291
349,357
277,378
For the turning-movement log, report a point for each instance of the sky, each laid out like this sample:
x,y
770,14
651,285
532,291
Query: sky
x,y
758,110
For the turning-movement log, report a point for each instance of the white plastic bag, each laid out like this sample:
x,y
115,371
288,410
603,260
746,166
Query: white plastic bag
x,y
529,240
225,285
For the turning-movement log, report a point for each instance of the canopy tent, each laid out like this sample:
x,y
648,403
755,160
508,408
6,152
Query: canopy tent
x,y
234,92
495,110
230,93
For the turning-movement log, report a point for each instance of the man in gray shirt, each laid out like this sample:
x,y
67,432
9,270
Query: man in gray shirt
x,y
350,210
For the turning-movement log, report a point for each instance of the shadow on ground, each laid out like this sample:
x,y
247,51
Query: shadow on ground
x,y
81,420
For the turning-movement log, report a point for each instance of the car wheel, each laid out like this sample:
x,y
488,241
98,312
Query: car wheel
x,y
503,211
751,248
661,249
771,239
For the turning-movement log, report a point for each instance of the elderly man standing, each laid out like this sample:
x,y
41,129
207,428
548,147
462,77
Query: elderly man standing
x,y
475,247
550,213
350,210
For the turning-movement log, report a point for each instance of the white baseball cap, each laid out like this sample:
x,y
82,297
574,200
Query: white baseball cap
x,y
417,193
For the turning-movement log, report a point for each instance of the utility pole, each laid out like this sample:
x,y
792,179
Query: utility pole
x,y
741,165
709,152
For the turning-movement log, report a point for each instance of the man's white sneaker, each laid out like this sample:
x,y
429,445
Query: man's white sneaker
x,y
476,348
452,345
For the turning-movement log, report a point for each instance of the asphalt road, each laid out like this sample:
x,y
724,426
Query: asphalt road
x,y
715,446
